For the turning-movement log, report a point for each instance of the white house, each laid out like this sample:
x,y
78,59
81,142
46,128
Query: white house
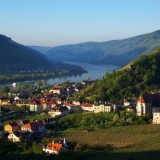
x,y
13,137
102,108
87,107
156,118
72,107
35,106
58,112
17,136
128,102
55,147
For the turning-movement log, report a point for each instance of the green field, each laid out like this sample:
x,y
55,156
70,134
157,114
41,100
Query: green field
x,y
134,142
121,142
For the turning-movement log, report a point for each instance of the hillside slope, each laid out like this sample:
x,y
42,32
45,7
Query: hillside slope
x,y
16,57
116,52
41,49
142,75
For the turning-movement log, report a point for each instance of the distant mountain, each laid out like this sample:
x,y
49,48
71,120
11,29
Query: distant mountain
x,y
17,57
116,52
140,76
41,49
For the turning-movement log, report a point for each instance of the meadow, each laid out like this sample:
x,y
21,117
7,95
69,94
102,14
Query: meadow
x,y
119,142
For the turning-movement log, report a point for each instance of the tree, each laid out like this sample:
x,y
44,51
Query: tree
x,y
5,91
39,83
116,118
45,84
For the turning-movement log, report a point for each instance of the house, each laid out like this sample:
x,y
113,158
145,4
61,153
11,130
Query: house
x,y
87,107
6,102
43,102
59,101
102,108
147,104
22,102
156,118
55,147
21,123
76,103
87,82
57,89
51,104
17,136
72,107
16,98
11,127
58,111
129,102
35,106
33,126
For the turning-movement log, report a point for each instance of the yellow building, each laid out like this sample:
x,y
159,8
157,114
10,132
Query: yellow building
x,y
11,127
102,108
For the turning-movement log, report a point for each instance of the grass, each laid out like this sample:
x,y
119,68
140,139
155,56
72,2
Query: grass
x,y
127,142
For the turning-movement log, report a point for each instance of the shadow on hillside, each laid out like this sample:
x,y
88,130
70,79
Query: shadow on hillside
x,y
88,155
92,155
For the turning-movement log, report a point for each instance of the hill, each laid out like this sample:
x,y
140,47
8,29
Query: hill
x,y
142,75
133,142
41,49
116,52
17,57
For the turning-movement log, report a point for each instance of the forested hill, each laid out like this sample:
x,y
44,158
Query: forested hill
x,y
142,75
16,57
115,52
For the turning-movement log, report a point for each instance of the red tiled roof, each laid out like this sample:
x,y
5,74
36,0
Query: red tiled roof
x,y
35,102
54,146
32,125
51,102
86,105
6,100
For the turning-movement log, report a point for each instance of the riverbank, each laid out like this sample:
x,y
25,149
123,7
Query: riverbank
x,y
21,77
90,71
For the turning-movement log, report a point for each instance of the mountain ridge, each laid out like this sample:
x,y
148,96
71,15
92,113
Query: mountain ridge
x,y
107,52
17,57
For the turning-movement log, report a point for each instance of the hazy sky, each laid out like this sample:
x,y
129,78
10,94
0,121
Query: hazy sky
x,y
56,22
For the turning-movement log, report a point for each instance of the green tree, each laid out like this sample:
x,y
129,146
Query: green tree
x,y
5,91
116,118
44,82
39,83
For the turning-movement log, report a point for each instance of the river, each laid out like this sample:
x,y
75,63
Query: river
x,y
94,72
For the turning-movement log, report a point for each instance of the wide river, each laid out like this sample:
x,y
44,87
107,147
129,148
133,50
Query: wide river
x,y
94,72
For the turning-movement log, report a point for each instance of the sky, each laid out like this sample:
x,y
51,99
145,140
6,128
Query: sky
x,y
59,22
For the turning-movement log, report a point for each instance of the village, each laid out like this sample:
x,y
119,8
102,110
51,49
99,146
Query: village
x,y
56,103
